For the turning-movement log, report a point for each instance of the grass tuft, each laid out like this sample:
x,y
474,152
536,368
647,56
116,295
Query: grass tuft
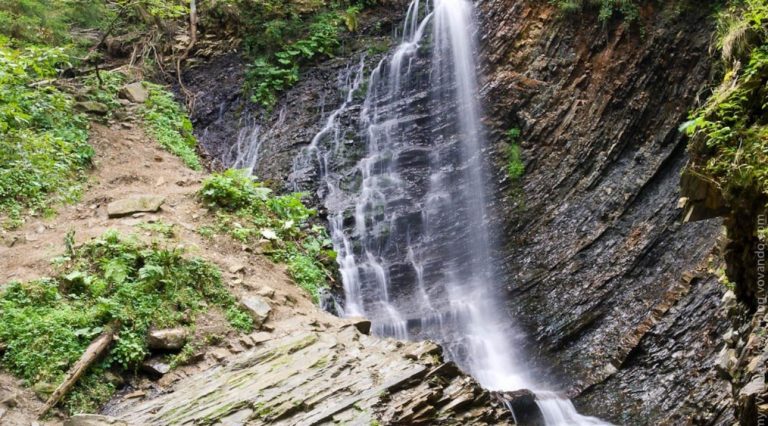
x,y
169,124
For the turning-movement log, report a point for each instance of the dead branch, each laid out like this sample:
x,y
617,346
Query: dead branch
x,y
94,351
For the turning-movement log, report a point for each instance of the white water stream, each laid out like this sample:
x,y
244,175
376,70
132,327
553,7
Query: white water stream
x,y
414,249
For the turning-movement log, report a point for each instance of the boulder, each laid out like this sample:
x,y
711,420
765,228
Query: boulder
x,y
701,198
258,308
136,204
43,390
91,107
726,361
8,398
220,354
236,268
134,92
167,339
753,388
363,325
266,291
377,385
155,367
751,400
523,405
93,420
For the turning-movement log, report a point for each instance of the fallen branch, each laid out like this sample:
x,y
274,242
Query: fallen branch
x,y
94,351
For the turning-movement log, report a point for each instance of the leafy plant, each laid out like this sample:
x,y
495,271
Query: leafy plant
x,y
44,151
350,17
269,76
515,166
729,134
607,9
46,325
169,124
249,212
232,190
160,228
104,89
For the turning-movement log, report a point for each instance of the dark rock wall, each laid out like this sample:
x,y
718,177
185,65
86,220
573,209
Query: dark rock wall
x,y
611,287
609,283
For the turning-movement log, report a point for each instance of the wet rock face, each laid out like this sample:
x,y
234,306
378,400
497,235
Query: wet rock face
x,y
330,377
227,123
595,253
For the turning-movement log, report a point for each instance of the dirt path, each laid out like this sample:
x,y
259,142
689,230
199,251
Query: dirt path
x,y
129,163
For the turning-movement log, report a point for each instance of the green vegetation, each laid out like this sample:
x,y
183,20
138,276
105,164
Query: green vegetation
x,y
269,77
515,166
104,89
44,151
283,36
46,325
49,21
607,9
160,228
729,133
169,124
250,213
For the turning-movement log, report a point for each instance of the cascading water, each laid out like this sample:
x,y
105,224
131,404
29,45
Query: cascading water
x,y
409,221
244,154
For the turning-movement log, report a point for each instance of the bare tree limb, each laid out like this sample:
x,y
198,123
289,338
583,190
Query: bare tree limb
x,y
94,351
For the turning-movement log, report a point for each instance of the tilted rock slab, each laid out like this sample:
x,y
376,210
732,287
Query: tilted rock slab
x,y
136,204
315,378
134,92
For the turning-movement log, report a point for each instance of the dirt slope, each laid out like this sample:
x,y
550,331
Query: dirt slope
x,y
129,163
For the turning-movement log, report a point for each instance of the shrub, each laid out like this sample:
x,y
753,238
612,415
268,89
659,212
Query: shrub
x,y
729,134
44,151
269,76
168,123
49,21
607,9
233,190
46,325
249,212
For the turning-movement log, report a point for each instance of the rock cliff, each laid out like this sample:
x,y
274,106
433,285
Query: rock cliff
x,y
613,287
614,290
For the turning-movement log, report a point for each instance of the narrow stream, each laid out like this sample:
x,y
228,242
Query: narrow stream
x,y
409,220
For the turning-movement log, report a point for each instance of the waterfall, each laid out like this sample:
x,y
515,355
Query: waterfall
x,y
409,219
244,154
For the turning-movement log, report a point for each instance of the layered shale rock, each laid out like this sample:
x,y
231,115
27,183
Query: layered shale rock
x,y
599,265
329,377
